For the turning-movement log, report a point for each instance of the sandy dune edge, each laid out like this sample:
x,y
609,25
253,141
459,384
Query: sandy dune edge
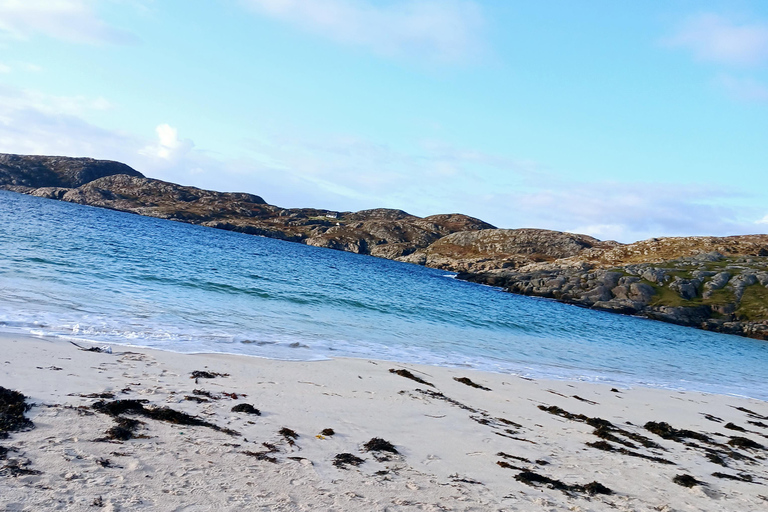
x,y
460,447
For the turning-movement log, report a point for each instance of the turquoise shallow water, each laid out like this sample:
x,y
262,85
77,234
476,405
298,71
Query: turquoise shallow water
x,y
95,274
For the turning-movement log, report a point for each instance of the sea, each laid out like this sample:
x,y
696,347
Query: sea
x,y
84,273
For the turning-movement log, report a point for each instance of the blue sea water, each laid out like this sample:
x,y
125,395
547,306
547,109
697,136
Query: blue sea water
x,y
82,272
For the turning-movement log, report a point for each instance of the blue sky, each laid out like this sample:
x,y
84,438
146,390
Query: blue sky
x,y
622,120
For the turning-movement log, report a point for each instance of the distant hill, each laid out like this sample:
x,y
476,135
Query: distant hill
x,y
715,283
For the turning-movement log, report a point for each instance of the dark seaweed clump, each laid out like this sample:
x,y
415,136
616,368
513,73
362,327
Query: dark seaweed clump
x,y
686,481
742,477
246,408
343,460
465,380
409,375
124,430
16,468
751,414
534,479
608,447
12,408
743,442
327,432
166,414
733,426
202,374
289,435
666,431
603,428
262,456
378,444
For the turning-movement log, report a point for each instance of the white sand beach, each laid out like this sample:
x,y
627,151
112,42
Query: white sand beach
x,y
458,447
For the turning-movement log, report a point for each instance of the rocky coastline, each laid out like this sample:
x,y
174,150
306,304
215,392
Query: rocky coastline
x,y
712,283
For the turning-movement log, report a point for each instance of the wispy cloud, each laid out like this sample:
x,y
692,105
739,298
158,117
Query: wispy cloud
x,y
718,39
35,123
438,30
635,211
69,20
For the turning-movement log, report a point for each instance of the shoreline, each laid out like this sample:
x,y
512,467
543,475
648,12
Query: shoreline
x,y
545,373
460,447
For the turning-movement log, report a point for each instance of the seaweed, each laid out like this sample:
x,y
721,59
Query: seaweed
x,y
715,458
289,435
468,382
123,431
743,442
533,479
741,477
246,408
196,399
590,402
666,431
514,457
608,447
508,422
328,432
166,414
118,407
261,456
757,424
378,444
106,350
202,374
342,460
751,414
105,463
3,452
603,428
409,375
98,502
712,418
686,481
732,426
456,478
507,465
16,468
439,396
13,405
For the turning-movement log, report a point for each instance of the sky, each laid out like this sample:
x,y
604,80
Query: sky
x,y
621,120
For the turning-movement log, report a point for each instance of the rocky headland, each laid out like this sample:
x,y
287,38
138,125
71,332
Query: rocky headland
x,y
713,283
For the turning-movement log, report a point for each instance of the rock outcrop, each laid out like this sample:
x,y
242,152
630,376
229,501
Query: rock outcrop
x,y
25,172
472,251
715,283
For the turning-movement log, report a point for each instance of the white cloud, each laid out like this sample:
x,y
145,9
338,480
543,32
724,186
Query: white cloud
x,y
633,211
715,38
439,30
169,146
745,89
4,68
764,220
70,20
